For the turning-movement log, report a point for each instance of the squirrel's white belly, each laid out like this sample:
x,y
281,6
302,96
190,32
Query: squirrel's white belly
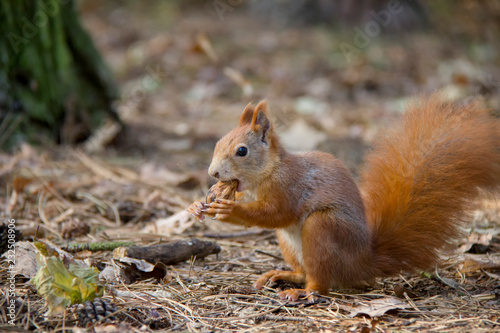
x,y
292,236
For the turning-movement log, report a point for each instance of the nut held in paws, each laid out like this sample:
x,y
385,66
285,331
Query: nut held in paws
x,y
222,190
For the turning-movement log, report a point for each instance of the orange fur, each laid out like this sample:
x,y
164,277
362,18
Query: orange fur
x,y
417,186
422,178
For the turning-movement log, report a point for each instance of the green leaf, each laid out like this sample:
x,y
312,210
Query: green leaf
x,y
60,286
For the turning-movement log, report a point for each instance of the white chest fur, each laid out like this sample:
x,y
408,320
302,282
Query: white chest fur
x,y
292,236
248,196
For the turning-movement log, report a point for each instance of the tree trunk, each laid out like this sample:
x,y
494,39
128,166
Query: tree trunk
x,y
54,86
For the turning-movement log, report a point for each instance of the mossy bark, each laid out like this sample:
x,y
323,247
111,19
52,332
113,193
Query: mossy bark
x,y
54,86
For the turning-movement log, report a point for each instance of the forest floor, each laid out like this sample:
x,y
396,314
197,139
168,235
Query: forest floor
x,y
186,74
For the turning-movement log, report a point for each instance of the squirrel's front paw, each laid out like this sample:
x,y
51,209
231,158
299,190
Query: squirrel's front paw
x,y
221,209
196,209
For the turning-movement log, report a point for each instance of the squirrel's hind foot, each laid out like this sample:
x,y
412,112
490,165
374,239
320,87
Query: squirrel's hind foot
x,y
294,295
275,276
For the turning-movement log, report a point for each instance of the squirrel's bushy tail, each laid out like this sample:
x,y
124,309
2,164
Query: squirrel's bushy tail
x,y
421,179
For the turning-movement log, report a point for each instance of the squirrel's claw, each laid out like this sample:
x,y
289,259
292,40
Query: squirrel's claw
x,y
294,295
219,209
196,209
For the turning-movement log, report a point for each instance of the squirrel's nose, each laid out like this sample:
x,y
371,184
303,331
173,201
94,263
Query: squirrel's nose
x,y
213,172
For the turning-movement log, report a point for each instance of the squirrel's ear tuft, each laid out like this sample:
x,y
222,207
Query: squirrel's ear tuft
x,y
260,121
247,115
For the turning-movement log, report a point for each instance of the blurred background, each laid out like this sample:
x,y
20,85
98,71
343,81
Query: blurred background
x,y
334,72
171,77
110,111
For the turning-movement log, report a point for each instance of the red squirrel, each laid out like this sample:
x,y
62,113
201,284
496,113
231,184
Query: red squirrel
x,y
416,190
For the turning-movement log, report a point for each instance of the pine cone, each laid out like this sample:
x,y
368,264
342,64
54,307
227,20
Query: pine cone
x,y
97,310
4,237
222,190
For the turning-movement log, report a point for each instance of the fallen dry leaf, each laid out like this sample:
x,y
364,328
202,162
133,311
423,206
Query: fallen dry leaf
x,y
477,264
240,80
25,259
483,239
172,225
204,45
301,136
131,269
153,174
378,307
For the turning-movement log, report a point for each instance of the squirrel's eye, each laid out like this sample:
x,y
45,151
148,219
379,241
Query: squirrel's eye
x,y
242,151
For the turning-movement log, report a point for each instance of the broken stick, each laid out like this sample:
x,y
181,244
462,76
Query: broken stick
x,y
169,254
